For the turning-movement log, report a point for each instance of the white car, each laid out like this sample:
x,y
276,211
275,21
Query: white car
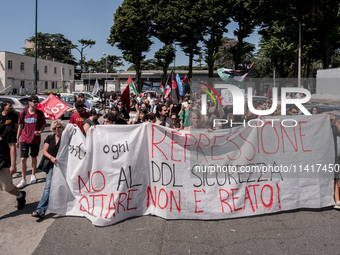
x,y
94,101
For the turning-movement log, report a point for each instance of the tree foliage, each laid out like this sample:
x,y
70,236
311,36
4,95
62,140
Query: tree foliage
x,y
164,57
99,66
52,47
131,32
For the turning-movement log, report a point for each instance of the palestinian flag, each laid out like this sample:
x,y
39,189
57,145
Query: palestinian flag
x,y
202,86
162,89
185,81
132,85
234,77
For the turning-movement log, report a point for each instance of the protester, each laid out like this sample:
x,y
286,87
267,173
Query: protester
x,y
195,117
51,147
175,121
162,116
59,96
103,101
92,120
140,117
315,110
8,164
81,98
155,104
119,121
122,111
293,110
80,115
31,124
110,118
8,116
150,117
184,115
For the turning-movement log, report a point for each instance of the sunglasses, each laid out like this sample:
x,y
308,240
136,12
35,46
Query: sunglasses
x,y
174,118
34,102
295,112
57,128
149,118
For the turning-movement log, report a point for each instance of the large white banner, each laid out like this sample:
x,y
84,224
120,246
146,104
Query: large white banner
x,y
121,171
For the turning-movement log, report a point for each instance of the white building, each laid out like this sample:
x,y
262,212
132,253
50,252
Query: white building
x,y
17,74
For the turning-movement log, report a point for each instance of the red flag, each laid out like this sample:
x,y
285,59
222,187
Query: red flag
x,y
126,98
174,94
202,87
185,81
162,89
268,96
52,107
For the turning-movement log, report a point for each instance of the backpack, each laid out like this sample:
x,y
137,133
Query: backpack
x,y
40,113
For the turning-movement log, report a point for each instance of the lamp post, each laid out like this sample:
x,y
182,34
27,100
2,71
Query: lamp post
x,y
35,46
88,88
105,87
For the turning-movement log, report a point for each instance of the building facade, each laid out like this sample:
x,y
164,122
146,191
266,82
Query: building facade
x,y
17,74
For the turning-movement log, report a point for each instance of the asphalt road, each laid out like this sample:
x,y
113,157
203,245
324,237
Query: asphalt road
x,y
293,232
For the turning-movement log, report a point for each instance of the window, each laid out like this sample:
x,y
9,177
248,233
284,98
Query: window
x,y
22,83
56,84
52,84
10,65
46,84
45,69
70,72
22,66
55,70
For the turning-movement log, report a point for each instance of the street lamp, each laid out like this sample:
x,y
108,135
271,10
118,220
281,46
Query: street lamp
x,y
35,50
105,88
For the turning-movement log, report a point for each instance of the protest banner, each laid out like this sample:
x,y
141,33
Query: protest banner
x,y
52,107
117,172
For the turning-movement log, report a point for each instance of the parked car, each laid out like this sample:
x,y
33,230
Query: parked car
x,y
93,100
67,98
18,102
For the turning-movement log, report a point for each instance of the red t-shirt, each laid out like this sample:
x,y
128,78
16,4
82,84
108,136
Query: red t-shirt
x,y
30,126
78,119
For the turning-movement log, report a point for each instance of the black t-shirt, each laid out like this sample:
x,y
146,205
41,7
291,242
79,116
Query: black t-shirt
x,y
90,122
52,148
124,114
10,119
6,136
120,121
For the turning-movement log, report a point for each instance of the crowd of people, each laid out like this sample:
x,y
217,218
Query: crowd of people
x,y
25,132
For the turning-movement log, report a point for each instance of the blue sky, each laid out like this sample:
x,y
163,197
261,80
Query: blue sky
x,y
75,19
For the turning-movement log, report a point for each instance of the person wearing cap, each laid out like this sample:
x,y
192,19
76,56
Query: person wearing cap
x,y
80,115
59,96
92,120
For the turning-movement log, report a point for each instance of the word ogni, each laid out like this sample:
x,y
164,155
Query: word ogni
x,y
238,100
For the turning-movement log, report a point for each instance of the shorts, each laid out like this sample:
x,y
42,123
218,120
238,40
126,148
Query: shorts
x,y
6,182
24,148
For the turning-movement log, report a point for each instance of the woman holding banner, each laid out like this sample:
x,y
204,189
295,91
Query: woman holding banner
x,y
51,147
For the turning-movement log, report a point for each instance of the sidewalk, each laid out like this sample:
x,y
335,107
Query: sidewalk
x,y
21,233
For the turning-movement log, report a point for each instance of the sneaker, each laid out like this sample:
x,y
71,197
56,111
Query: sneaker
x,y
33,179
21,184
22,200
337,205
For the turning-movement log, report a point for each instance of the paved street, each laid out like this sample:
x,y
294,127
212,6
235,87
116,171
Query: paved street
x,y
293,232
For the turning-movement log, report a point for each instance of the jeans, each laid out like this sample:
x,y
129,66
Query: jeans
x,y
42,206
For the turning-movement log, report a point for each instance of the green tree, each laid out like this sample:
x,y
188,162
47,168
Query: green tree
x,y
131,32
84,44
112,62
52,47
216,17
243,13
147,64
164,57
